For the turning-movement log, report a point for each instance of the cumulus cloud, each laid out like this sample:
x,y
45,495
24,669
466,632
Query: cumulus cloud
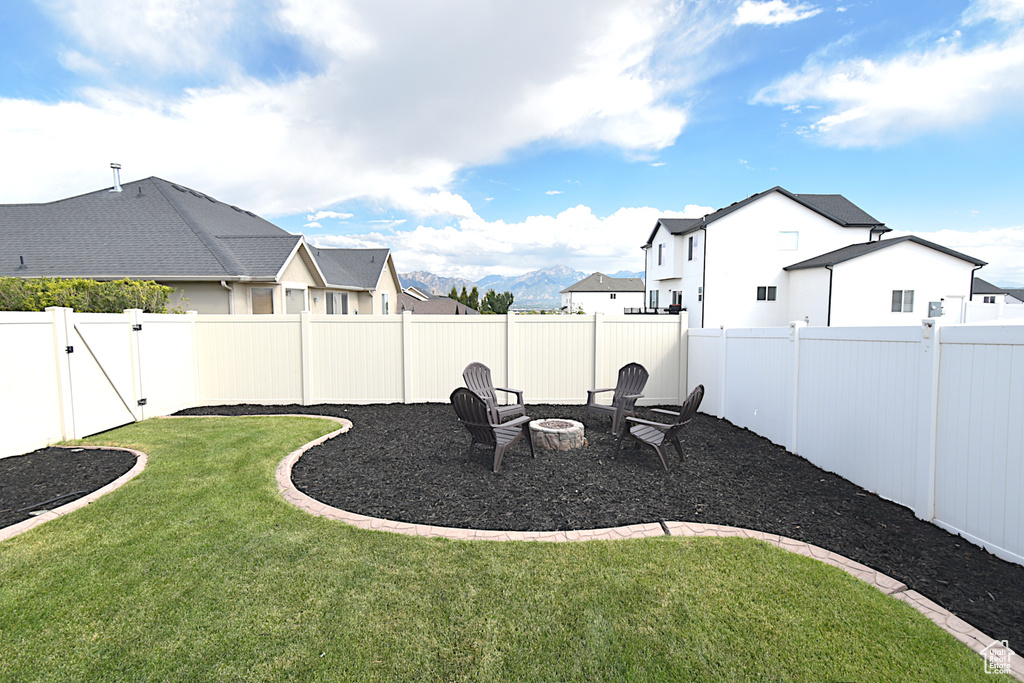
x,y
878,102
398,104
475,247
772,13
1001,248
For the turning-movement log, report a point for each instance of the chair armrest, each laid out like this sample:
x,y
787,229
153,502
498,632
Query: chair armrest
x,y
665,412
598,391
517,392
635,396
521,420
649,423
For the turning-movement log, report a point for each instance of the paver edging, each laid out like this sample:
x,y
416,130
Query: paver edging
x,y
140,463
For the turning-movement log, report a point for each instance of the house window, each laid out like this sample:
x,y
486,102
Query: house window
x,y
692,242
654,298
789,241
661,254
988,299
766,293
337,303
677,298
903,301
262,300
384,303
294,300
612,295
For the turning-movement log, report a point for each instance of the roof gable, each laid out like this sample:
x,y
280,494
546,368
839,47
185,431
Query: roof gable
x,y
352,268
834,207
857,250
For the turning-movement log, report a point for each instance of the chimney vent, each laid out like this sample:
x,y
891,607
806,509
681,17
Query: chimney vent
x,y
117,177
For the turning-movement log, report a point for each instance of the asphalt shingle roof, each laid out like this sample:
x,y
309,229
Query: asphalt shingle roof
x,y
351,267
152,229
599,282
854,250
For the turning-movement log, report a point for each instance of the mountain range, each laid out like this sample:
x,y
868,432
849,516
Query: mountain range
x,y
538,289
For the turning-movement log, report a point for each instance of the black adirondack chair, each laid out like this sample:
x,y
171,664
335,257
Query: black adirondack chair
x,y
478,379
631,383
659,435
474,414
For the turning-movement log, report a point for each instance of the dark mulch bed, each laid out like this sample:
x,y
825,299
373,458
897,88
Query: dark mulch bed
x,y
407,463
27,482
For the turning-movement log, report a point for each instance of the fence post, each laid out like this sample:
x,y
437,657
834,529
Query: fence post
x,y
723,351
62,324
407,356
684,340
598,350
193,316
794,336
305,340
924,506
510,349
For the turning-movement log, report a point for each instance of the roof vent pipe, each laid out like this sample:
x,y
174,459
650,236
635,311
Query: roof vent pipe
x,y
117,177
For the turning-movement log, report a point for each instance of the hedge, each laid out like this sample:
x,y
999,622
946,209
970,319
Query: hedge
x,y
86,296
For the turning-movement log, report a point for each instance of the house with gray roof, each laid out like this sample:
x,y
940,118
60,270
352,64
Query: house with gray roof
x,y
777,256
988,293
218,257
598,293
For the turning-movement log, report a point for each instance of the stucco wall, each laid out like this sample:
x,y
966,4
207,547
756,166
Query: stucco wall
x,y
808,296
862,288
601,302
204,297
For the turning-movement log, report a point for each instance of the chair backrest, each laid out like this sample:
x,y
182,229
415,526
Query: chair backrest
x,y
478,379
632,380
689,408
473,413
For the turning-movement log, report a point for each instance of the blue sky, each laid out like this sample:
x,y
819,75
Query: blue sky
x,y
476,137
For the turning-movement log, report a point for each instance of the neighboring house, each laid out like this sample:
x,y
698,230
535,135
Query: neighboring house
x,y
777,256
358,281
432,305
599,293
219,258
987,293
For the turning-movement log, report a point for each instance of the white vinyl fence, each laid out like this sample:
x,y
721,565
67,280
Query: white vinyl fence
x,y
930,417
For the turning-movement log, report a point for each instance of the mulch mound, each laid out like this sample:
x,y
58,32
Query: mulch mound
x,y
29,483
407,463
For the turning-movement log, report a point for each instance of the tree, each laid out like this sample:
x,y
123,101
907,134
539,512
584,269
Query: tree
x,y
474,299
496,303
454,294
464,297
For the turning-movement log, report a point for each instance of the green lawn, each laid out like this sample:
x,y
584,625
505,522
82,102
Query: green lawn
x,y
199,570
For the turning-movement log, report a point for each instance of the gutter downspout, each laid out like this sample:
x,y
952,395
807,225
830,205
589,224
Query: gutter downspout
x,y
828,319
646,254
970,295
231,296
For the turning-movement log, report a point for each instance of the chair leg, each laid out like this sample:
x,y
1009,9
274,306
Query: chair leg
x,y
618,444
499,453
616,419
469,451
679,449
528,435
662,451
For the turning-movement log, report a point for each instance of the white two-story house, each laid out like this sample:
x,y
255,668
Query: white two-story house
x,y
776,257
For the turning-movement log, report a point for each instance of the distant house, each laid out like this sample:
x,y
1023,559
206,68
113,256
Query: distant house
x,y
598,293
218,257
987,293
432,305
776,256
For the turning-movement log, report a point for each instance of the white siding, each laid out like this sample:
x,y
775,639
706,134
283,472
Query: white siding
x,y
356,359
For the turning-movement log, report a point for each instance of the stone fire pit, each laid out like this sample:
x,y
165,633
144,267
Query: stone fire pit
x,y
557,434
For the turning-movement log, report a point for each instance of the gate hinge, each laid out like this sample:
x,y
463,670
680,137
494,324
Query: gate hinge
x,y
69,349
142,401
136,328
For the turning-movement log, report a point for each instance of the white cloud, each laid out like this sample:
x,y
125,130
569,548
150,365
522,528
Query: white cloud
x,y
320,215
401,102
772,13
879,102
312,224
550,192
1001,248
575,237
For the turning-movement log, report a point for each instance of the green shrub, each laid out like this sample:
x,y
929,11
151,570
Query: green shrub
x,y
85,296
